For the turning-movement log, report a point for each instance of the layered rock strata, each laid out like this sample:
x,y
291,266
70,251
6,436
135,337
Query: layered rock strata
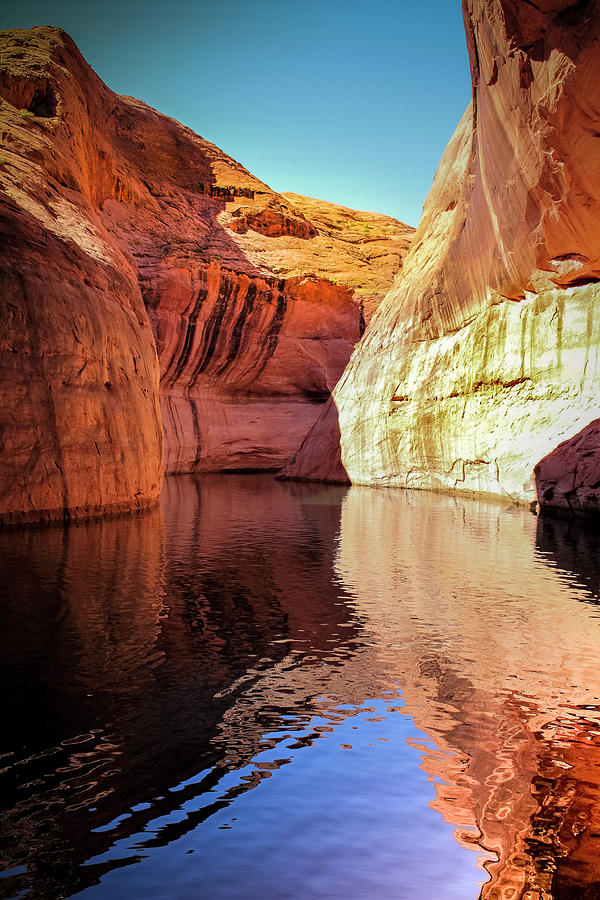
x,y
125,230
484,356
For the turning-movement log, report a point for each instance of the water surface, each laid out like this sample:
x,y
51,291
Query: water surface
x,y
278,690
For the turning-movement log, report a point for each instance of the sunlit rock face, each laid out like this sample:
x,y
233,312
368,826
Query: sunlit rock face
x,y
484,355
80,424
108,207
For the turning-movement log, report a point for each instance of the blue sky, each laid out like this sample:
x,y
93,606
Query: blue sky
x,y
346,101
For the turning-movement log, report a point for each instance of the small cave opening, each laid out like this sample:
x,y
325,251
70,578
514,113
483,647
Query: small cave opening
x,y
43,103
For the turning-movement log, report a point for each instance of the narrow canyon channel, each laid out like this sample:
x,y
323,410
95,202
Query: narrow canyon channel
x,y
278,690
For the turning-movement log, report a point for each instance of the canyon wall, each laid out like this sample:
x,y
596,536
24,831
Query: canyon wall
x,y
80,428
124,234
484,356
255,308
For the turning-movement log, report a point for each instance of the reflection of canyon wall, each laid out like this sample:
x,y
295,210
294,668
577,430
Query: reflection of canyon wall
x,y
266,544
108,207
99,586
147,649
497,659
81,621
484,355
164,650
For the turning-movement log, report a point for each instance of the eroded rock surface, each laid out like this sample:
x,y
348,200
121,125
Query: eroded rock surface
x,y
484,356
110,211
80,428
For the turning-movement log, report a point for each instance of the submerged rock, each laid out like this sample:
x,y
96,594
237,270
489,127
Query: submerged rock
x,y
125,233
484,356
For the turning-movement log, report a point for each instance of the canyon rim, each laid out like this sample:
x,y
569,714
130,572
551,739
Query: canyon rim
x,y
149,278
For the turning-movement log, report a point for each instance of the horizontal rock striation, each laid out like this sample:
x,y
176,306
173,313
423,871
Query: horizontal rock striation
x,y
484,356
125,233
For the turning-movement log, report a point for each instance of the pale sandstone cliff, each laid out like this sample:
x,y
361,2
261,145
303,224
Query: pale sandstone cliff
x,y
484,356
109,207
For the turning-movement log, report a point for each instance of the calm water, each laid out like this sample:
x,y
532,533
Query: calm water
x,y
267,690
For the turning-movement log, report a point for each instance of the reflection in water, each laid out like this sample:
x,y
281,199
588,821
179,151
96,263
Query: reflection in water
x,y
267,689
499,664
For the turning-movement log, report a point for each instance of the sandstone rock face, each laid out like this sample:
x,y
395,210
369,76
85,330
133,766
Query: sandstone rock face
x,y
247,365
80,425
108,207
374,247
256,318
484,356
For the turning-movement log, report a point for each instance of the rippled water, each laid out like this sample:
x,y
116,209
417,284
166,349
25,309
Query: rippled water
x,y
269,690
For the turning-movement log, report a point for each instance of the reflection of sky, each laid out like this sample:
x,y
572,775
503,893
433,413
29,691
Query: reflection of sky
x,y
186,691
345,815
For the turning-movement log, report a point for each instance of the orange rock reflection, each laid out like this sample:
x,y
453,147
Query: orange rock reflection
x,y
479,610
150,660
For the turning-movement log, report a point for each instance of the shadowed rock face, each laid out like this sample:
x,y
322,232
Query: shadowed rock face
x,y
108,207
568,479
484,355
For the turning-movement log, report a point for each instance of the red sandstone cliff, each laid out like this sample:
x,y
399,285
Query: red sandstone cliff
x,y
484,356
79,417
126,233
